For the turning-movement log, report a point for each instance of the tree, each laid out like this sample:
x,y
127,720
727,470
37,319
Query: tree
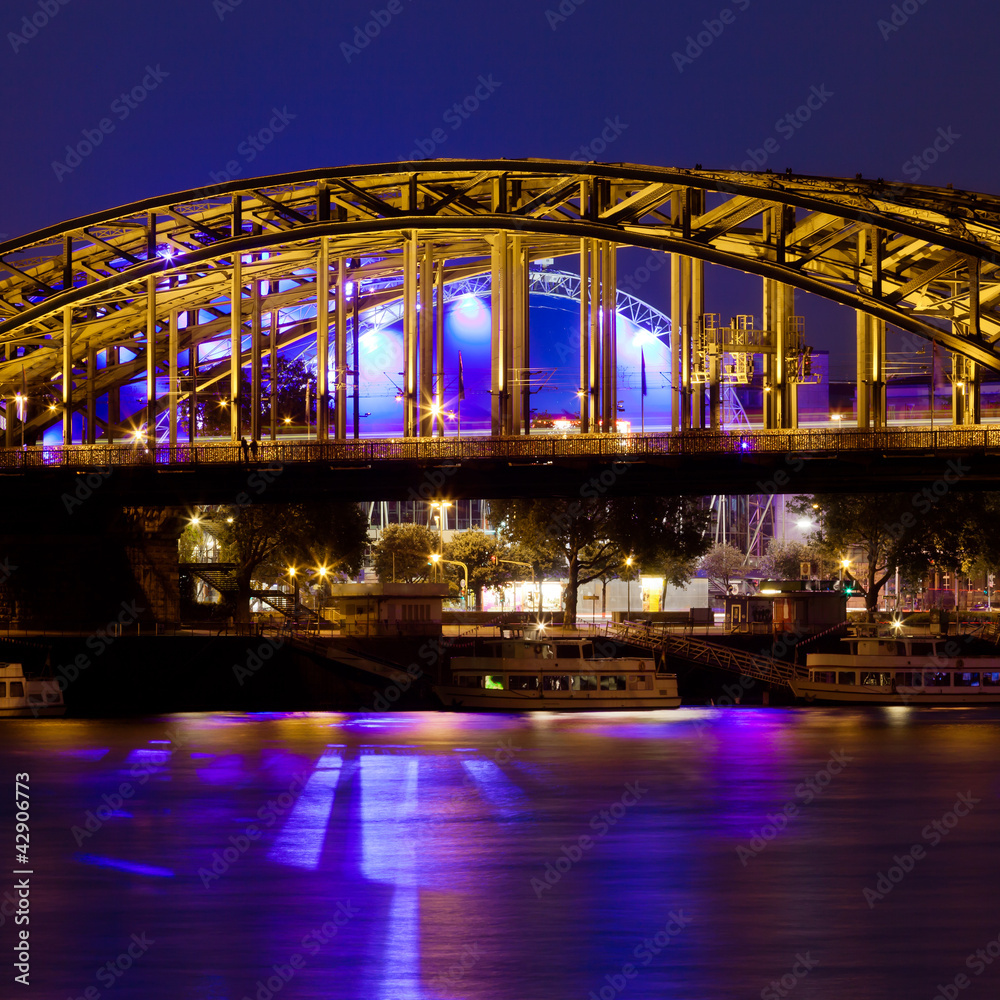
x,y
269,537
904,531
594,535
402,554
722,565
783,560
481,554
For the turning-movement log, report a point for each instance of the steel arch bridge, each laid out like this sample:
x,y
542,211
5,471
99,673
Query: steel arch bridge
x,y
88,306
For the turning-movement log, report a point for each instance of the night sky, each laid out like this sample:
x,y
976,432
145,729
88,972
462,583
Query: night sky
x,y
555,79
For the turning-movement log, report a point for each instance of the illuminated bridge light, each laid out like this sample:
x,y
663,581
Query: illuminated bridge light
x,y
300,842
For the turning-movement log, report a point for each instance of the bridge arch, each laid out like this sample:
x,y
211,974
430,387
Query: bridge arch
x,y
90,304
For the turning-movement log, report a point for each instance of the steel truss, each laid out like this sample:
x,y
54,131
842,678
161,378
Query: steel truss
x,y
150,282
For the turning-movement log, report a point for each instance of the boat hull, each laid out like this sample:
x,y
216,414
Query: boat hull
x,y
479,700
826,694
32,712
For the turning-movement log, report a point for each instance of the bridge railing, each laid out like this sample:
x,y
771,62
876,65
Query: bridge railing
x,y
535,447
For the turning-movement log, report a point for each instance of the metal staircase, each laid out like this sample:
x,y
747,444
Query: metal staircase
x,y
705,653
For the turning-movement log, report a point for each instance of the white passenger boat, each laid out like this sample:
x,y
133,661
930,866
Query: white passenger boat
x,y
21,696
534,675
900,670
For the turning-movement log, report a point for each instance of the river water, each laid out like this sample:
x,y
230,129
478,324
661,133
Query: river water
x,y
700,853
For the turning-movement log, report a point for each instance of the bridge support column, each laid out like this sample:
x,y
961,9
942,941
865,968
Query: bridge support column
x,y
192,407
584,392
151,359
520,338
965,392
596,388
871,372
322,342
67,375
272,335
696,307
426,339
173,377
500,336
91,395
255,363
235,348
114,395
340,353
609,336
438,351
410,387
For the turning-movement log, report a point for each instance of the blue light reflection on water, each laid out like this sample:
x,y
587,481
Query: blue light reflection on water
x,y
437,869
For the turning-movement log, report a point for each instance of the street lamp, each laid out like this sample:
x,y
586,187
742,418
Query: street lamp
x,y
441,506
628,588
436,558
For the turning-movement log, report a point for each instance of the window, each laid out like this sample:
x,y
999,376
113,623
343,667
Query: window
x,y
17,689
967,679
550,682
845,677
825,676
522,682
494,682
922,649
3,689
564,651
469,681
613,682
588,651
583,682
991,680
906,678
937,679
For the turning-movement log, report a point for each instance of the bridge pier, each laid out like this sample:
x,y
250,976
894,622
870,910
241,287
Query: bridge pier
x,y
322,341
966,395
687,306
235,344
871,380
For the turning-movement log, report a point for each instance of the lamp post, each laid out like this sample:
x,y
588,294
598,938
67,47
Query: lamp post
x,y
322,571
440,506
436,558
293,576
628,587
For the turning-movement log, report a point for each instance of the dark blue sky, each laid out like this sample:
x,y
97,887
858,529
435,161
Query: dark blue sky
x,y
557,80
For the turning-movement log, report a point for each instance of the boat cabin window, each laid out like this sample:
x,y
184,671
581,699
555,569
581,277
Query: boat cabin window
x,y
469,680
583,682
921,649
588,651
522,682
494,682
3,689
938,679
991,679
825,676
875,678
543,650
846,677
565,651
878,647
907,678
614,682
967,679
17,689
554,682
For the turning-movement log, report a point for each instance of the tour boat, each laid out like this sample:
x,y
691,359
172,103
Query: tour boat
x,y
900,670
21,696
544,675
